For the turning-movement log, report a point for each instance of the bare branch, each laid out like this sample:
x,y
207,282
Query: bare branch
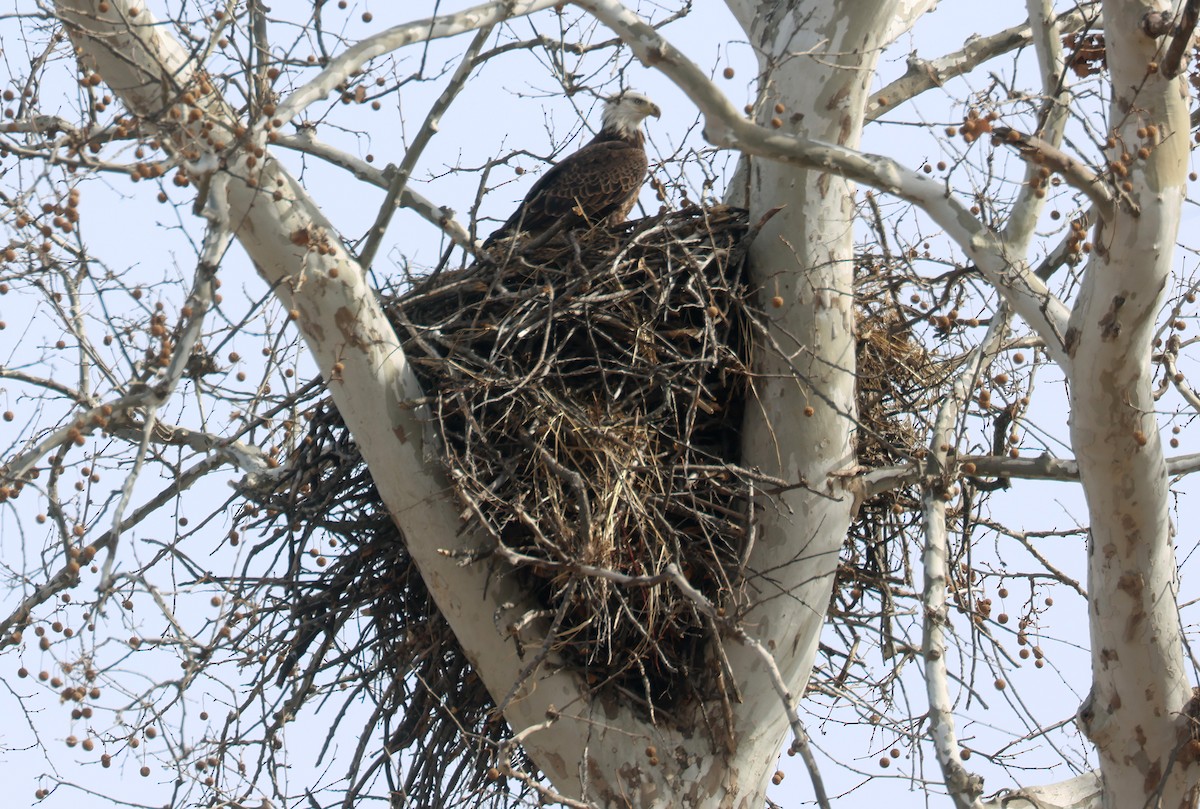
x,y
1180,40
363,51
441,216
1022,220
1170,356
399,179
925,74
1082,792
1040,153
216,242
725,127
965,787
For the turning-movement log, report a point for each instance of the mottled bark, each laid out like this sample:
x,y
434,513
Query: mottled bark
x,y
1140,684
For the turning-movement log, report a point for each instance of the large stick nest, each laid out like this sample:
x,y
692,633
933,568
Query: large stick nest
x,y
588,400
589,407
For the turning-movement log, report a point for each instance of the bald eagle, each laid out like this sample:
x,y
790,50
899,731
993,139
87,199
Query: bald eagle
x,y
598,183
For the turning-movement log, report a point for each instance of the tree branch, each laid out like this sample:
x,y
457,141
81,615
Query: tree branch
x,y
925,74
432,123
353,58
439,215
1038,152
725,127
1030,201
965,787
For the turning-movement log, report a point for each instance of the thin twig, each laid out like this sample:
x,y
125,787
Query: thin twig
x,y
431,125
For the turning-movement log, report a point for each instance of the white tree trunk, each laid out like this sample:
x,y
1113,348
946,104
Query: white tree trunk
x,y
800,422
1140,685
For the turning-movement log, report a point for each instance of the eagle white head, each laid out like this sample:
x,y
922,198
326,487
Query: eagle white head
x,y
625,112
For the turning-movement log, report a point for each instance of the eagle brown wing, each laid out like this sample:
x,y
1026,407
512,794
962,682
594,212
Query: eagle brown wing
x,y
600,181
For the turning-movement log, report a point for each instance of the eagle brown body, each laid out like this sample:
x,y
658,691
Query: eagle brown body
x,y
597,184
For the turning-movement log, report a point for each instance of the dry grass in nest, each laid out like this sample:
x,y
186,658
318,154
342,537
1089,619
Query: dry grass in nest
x,y
899,382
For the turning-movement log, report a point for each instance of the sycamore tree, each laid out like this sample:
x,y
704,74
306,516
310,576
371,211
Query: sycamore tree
x,y
994,215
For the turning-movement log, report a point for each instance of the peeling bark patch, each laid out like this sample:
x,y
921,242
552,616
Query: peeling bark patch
x,y
1114,705
313,329
1110,327
1153,777
554,760
610,706
631,776
1109,656
838,98
1132,584
400,433
347,323
595,774
1071,341
1135,621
